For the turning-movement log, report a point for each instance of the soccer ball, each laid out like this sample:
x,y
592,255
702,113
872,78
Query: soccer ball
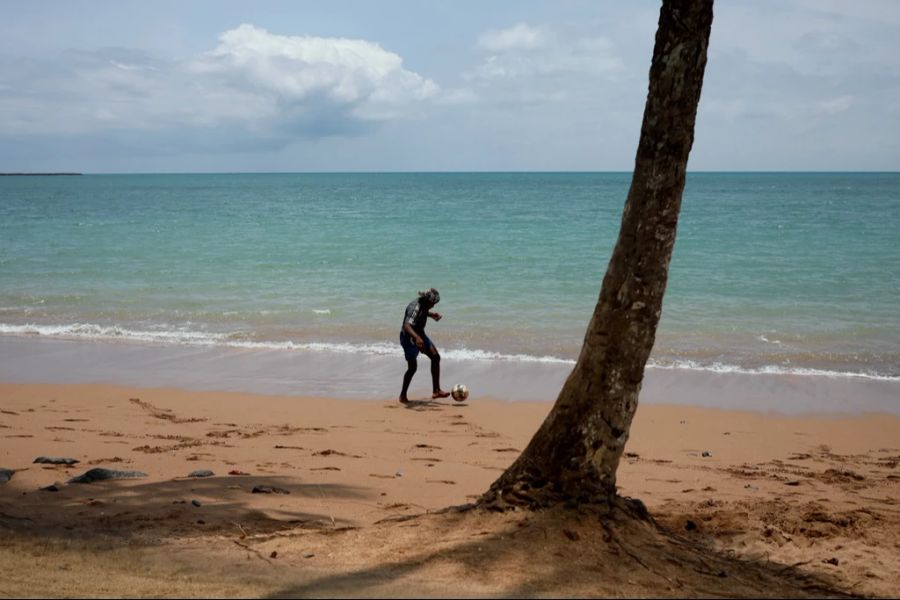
x,y
459,392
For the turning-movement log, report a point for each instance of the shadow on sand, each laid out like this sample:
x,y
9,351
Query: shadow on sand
x,y
555,553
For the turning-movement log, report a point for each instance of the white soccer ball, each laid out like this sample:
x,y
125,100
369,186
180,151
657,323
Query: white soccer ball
x,y
459,392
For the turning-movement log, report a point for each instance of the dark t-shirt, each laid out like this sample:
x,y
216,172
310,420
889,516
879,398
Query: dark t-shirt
x,y
417,316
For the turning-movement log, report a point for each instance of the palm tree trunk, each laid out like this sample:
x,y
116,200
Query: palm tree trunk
x,y
575,454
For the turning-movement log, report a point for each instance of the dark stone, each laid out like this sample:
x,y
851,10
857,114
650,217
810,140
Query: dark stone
x,y
196,503
6,475
201,473
100,474
55,461
55,487
690,525
262,489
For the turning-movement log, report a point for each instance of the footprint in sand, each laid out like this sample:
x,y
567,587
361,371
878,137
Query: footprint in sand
x,y
162,413
330,452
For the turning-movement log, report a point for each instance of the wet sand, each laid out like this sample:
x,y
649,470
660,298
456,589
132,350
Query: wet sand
x,y
368,377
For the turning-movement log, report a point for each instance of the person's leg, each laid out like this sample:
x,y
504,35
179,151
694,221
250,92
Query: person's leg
x,y
410,352
435,357
411,366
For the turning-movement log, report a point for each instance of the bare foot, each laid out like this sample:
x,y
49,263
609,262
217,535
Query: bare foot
x,y
404,400
440,394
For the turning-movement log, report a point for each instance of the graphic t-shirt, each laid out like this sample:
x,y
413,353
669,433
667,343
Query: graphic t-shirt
x,y
416,316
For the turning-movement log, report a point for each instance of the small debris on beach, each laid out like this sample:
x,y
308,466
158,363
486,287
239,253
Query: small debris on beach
x,y
54,487
6,475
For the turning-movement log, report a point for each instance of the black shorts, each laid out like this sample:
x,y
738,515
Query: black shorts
x,y
409,346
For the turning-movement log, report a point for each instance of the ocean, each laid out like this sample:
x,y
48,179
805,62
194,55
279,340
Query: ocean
x,y
793,274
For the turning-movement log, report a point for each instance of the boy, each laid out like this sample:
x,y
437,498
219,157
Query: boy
x,y
414,340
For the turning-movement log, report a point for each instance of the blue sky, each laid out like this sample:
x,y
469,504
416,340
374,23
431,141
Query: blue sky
x,y
425,86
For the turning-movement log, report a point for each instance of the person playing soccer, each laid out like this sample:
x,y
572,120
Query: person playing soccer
x,y
414,340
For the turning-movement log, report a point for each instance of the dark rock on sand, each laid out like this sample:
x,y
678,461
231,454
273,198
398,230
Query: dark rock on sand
x,y
264,489
6,475
55,461
55,487
100,474
201,473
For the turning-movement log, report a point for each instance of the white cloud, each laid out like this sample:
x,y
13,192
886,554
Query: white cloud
x,y
299,67
254,83
833,106
518,37
525,53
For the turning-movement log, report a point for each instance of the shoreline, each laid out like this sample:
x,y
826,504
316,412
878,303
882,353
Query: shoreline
x,y
344,484
327,373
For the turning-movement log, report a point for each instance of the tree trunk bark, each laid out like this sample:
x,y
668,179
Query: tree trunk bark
x,y
574,456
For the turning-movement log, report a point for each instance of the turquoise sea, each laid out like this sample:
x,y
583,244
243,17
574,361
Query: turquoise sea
x,y
793,273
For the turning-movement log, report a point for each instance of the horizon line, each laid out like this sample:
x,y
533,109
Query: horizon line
x,y
428,172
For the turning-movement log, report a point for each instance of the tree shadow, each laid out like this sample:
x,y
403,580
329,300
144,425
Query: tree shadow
x,y
559,552
179,507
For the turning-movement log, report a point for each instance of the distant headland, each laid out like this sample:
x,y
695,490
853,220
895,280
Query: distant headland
x,y
36,174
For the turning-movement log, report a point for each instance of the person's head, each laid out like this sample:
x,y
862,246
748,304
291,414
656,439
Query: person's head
x,y
430,297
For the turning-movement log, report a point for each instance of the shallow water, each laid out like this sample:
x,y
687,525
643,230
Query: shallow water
x,y
790,273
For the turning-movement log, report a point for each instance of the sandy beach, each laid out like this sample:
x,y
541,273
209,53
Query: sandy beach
x,y
336,497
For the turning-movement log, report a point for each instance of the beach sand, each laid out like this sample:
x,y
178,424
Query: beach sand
x,y
330,497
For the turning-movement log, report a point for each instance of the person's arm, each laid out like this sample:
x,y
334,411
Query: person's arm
x,y
435,315
420,343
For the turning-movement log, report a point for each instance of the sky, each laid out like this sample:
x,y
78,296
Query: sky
x,y
201,86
